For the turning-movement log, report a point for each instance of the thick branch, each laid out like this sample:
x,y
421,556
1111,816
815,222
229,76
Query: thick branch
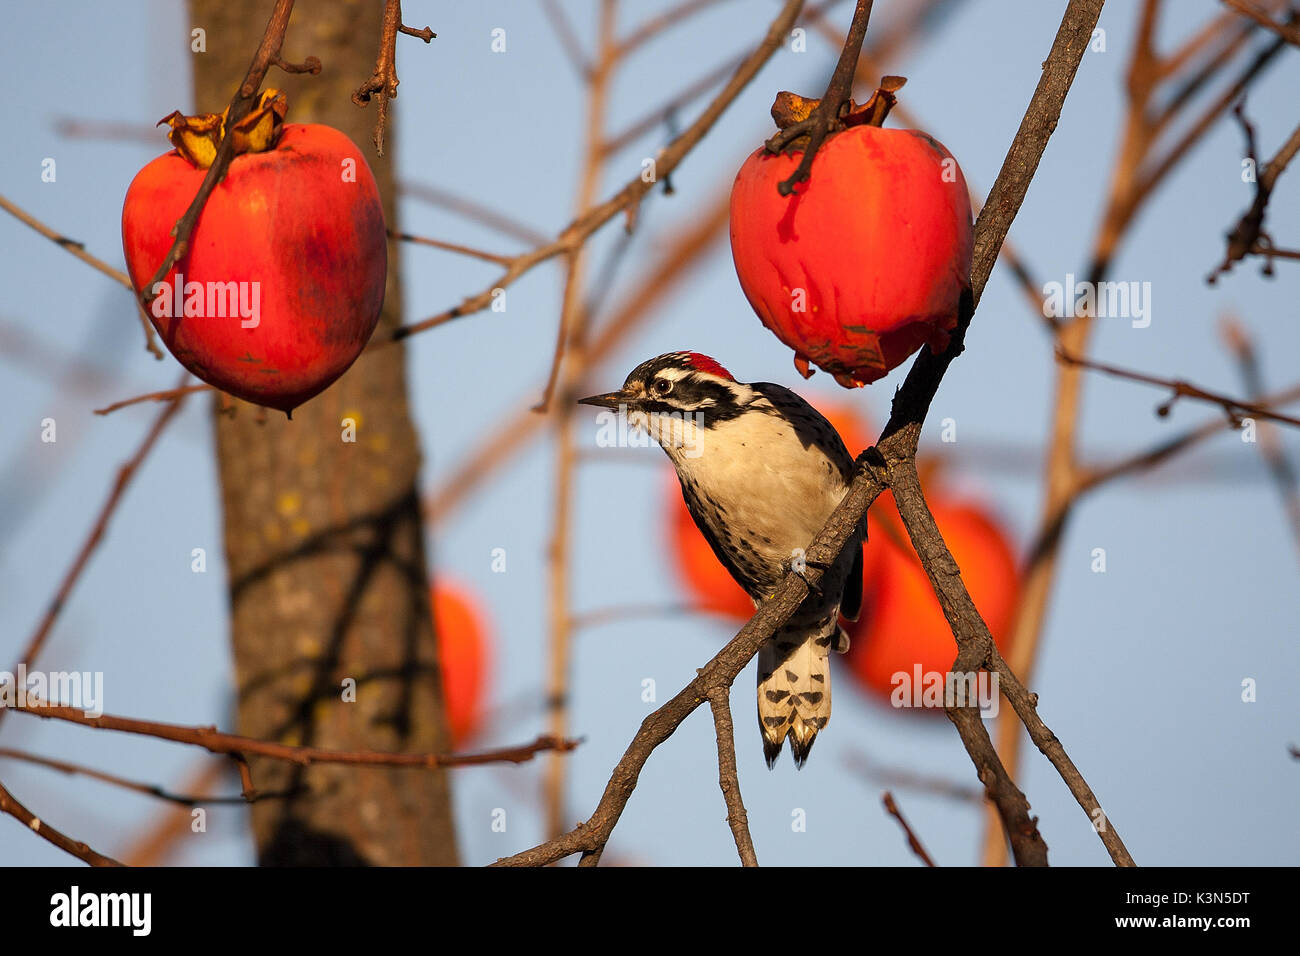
x,y
977,650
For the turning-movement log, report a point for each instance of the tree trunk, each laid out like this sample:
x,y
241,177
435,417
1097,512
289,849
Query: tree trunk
x,y
323,536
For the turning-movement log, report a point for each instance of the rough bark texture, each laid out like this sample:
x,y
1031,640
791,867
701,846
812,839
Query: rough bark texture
x,y
323,537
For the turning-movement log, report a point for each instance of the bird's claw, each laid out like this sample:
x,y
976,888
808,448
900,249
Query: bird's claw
x,y
800,569
873,463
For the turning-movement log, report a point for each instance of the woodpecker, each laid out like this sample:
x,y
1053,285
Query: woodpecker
x,y
761,471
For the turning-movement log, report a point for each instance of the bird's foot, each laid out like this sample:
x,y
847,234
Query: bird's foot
x,y
801,567
873,463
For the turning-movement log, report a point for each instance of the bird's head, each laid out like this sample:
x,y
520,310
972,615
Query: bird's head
x,y
676,396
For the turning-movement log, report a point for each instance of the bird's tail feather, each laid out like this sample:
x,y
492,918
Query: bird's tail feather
x,y
794,686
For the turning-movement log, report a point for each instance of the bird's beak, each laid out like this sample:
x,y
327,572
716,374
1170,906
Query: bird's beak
x,y
608,400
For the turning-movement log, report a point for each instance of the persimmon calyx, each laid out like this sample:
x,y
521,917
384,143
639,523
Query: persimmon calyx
x,y
790,109
197,137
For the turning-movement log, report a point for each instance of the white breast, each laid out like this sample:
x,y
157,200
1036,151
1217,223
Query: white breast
x,y
777,493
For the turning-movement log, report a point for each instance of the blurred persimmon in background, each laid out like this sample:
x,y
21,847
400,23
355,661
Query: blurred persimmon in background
x,y
902,625
464,654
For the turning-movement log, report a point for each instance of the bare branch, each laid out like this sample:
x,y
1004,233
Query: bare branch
x,y
450,247
912,840
1280,466
647,31
1248,236
164,396
1139,168
1286,31
1233,407
233,745
559,21
148,789
728,780
9,805
976,649
383,81
473,211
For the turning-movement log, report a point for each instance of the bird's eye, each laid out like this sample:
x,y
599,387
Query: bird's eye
x,y
662,386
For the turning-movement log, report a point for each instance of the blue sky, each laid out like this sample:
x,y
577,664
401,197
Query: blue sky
x,y
1141,669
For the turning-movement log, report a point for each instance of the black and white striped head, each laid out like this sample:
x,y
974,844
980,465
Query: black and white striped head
x,y
683,383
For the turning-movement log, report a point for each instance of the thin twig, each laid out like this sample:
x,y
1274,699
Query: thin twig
x,y
912,840
234,745
623,612
1235,408
9,805
1280,466
163,396
903,779
559,21
1286,31
571,337
81,128
450,247
728,780
471,210
383,82
72,374
149,789
424,33
1248,237
160,834
647,31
